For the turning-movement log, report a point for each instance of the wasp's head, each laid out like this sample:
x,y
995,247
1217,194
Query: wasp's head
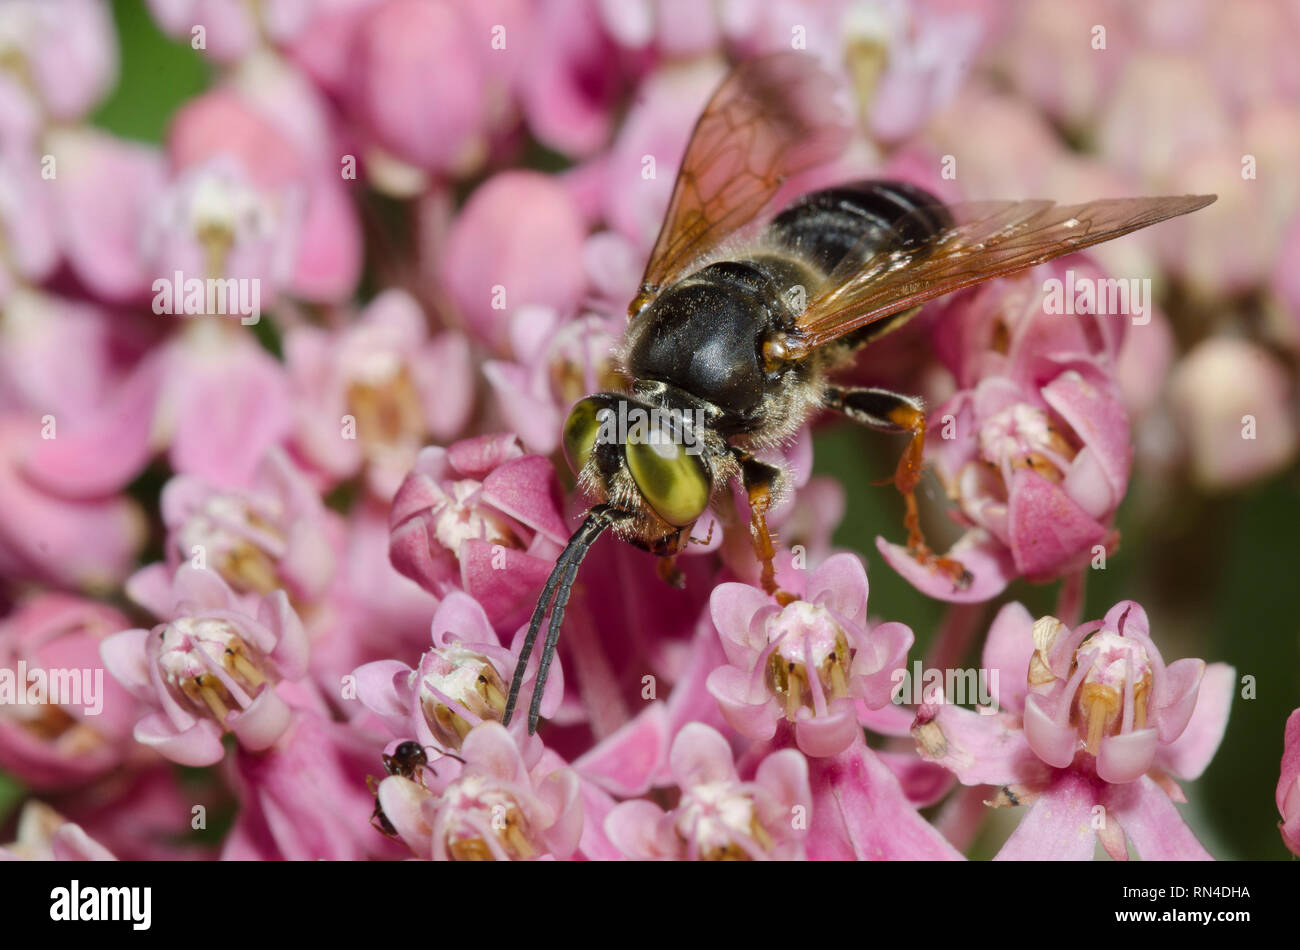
x,y
647,469
626,451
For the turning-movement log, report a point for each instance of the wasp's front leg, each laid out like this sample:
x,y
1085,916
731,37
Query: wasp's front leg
x,y
760,480
894,412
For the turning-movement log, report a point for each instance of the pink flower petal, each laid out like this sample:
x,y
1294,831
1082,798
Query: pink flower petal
x,y
1097,414
263,722
478,456
402,801
1152,823
978,749
231,404
924,783
198,746
461,618
1053,742
1127,756
526,489
625,762
733,607
1058,826
125,659
535,235
378,691
1189,754
860,806
989,563
1008,649
829,734
752,716
875,665
110,447
700,755
1288,784
634,828
1175,697
291,648
1048,528
840,585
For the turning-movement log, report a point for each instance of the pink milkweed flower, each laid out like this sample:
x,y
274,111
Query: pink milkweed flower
x,y
428,85
1232,400
62,356
212,668
45,835
212,221
1034,448
1068,80
906,59
1106,686
210,394
1288,785
558,360
805,663
102,196
369,395
929,50
276,534
1091,726
65,51
490,809
516,242
458,684
369,612
1009,327
136,812
232,30
568,90
303,799
270,537
86,540
257,190
558,363
65,739
863,811
719,817
482,517
27,213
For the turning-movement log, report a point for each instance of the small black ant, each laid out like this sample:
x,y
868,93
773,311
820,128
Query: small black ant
x,y
407,760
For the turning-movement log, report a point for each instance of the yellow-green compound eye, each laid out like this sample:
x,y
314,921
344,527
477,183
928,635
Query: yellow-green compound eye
x,y
673,481
580,431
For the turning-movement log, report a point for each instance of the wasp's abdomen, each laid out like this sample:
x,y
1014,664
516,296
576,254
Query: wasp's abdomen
x,y
849,223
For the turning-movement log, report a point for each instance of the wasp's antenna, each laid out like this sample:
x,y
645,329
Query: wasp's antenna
x,y
558,585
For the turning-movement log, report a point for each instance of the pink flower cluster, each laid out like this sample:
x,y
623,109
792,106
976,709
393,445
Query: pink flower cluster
x,y
302,513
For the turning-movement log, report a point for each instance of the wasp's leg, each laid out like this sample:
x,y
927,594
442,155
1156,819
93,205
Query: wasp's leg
x,y
760,480
670,573
895,412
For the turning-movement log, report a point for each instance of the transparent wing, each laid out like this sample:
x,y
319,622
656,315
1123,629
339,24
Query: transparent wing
x,y
771,118
986,240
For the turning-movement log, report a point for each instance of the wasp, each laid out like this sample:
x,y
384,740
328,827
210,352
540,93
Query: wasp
x,y
741,321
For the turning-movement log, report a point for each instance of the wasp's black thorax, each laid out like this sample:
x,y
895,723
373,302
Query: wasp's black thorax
x,y
704,335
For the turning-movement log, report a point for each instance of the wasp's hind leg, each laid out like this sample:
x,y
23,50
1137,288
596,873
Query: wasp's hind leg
x,y
894,412
760,480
